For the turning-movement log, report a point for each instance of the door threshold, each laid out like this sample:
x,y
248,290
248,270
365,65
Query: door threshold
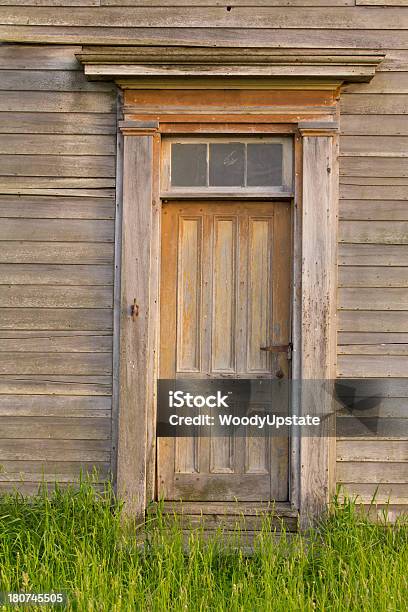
x,y
230,516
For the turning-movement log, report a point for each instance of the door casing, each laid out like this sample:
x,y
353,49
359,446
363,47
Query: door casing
x,y
315,205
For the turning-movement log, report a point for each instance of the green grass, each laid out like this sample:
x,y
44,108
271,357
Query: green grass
x,y
75,541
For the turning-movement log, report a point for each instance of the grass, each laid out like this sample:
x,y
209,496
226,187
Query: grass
x,y
75,541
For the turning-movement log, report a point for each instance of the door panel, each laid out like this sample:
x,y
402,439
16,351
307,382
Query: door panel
x,y
225,292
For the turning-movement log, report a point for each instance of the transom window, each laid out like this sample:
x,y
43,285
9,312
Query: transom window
x,y
227,166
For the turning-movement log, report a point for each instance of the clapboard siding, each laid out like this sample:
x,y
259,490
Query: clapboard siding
x,y
57,158
66,117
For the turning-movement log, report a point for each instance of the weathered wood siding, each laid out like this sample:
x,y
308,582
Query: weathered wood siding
x,y
57,208
373,251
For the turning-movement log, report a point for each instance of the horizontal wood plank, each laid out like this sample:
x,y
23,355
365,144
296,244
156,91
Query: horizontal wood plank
x,y
56,342
375,472
58,471
35,384
379,232
47,80
55,428
25,252
372,321
55,363
374,146
18,57
384,104
211,17
48,207
372,366
374,166
56,165
383,82
367,338
365,191
55,274
55,406
374,125
299,37
61,186
57,123
381,451
385,348
95,319
58,102
371,254
75,145
381,276
374,210
376,407
58,230
46,296
54,450
373,298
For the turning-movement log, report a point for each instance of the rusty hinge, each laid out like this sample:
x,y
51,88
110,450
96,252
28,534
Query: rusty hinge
x,y
279,348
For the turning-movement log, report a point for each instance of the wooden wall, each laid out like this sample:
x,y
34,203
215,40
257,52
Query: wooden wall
x,y
57,168
373,252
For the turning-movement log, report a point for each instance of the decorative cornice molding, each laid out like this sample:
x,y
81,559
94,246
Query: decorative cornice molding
x,y
175,62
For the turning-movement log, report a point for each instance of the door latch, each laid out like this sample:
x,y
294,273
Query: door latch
x,y
279,348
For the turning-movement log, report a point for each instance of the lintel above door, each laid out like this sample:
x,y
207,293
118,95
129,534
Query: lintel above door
x,y
161,66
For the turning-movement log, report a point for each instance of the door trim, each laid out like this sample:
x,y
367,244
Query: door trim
x,y
314,297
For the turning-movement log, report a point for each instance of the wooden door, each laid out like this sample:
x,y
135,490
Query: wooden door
x,y
225,292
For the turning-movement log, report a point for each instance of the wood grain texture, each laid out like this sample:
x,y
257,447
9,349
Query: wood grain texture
x,y
56,165
55,363
59,406
372,321
372,366
373,298
56,341
55,274
57,123
53,319
15,57
370,338
42,252
57,230
48,207
45,296
377,232
350,450
55,428
47,80
386,348
371,254
292,38
373,472
318,331
381,276
211,17
363,104
51,384
57,102
16,144
52,450
374,210
374,125
135,362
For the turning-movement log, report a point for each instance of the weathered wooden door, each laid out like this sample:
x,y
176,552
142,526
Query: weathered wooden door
x,y
225,293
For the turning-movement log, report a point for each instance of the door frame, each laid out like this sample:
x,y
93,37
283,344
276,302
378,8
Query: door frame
x,y
314,296
296,90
